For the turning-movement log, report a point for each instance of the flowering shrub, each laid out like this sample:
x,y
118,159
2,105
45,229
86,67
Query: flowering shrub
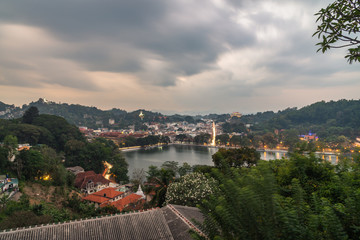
x,y
191,189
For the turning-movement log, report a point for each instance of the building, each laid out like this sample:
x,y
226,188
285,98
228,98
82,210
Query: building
x,y
8,184
104,197
309,137
171,222
236,114
90,182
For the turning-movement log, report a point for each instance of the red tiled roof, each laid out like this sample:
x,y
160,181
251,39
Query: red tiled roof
x,y
81,176
109,193
95,198
122,203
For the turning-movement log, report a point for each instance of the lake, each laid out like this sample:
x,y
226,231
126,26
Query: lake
x,y
193,155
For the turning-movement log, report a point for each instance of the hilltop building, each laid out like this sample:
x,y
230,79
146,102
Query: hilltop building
x,y
236,114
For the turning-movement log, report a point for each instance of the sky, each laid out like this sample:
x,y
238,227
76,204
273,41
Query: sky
x,y
178,56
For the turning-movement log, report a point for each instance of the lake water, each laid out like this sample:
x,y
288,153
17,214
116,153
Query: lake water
x,y
193,155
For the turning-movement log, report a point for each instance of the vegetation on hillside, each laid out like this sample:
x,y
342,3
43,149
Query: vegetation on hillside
x,y
298,198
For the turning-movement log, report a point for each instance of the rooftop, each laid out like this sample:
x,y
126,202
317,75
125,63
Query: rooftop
x,y
169,222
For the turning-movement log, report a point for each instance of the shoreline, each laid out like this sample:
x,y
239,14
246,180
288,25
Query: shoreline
x,y
135,148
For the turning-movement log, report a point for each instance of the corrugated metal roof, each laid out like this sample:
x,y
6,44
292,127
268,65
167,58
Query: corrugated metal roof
x,y
155,224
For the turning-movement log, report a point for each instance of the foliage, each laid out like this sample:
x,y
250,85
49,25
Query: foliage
x,y
11,145
239,157
222,139
161,183
30,115
297,198
4,162
327,119
183,138
237,127
170,165
191,189
240,141
290,138
29,164
184,169
138,176
24,218
152,172
203,138
269,140
120,168
339,28
91,156
59,128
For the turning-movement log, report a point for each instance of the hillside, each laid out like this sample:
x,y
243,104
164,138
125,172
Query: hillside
x,y
82,115
325,118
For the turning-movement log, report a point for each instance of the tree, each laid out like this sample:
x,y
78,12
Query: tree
x,y
166,176
252,204
184,169
30,115
269,139
191,189
291,138
120,168
11,144
29,164
4,162
152,172
138,176
223,139
203,138
4,199
339,28
240,141
171,165
240,157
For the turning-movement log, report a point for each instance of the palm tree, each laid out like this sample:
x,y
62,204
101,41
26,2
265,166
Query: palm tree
x,y
161,183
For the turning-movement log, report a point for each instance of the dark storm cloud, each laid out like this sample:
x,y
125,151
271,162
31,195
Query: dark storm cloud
x,y
127,32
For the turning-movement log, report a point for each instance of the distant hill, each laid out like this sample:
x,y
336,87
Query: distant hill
x,y
327,119
335,117
82,115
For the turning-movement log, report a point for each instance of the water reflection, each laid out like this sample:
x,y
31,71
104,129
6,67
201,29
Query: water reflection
x,y
193,155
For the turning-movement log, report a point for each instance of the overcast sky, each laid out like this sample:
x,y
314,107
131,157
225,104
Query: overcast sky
x,y
170,56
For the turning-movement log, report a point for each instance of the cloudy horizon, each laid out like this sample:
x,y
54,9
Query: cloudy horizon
x,y
212,56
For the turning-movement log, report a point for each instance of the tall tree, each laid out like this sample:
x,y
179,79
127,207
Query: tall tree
x,y
30,115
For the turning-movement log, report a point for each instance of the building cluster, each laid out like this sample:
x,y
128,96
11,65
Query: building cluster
x,y
163,129
102,192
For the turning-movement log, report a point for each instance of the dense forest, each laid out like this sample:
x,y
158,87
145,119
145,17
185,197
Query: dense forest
x,y
329,120
55,144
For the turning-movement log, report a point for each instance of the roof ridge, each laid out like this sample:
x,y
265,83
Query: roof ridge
x,y
186,221
68,222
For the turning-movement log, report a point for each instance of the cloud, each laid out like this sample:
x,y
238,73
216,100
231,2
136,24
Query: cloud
x,y
158,54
